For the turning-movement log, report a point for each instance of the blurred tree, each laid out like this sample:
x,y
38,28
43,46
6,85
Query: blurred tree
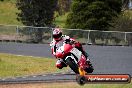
x,y
36,13
127,4
124,22
63,6
93,14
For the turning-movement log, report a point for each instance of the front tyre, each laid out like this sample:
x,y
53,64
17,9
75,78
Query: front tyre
x,y
81,80
72,65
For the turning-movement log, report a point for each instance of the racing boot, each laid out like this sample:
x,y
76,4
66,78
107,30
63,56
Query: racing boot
x,y
89,68
60,64
85,66
88,65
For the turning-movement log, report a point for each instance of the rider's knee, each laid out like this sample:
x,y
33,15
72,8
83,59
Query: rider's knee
x,y
59,64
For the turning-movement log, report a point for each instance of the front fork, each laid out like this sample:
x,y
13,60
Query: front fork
x,y
81,71
82,65
81,79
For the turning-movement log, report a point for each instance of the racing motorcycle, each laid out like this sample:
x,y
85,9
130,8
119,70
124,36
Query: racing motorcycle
x,y
74,58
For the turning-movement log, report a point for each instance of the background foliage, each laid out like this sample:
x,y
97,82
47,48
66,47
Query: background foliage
x,y
8,15
93,14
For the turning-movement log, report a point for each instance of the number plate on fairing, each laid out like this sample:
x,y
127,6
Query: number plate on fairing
x,y
76,52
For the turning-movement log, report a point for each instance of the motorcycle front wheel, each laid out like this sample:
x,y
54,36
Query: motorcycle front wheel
x,y
72,65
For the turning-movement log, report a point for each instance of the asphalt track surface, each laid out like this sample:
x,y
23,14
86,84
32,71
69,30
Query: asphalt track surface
x,y
105,59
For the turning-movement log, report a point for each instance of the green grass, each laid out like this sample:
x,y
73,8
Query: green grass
x,y
8,30
12,65
65,85
8,12
75,85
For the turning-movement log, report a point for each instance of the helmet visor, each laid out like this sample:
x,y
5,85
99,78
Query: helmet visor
x,y
57,36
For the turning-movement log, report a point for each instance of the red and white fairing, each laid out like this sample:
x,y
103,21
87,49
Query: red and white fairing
x,y
65,49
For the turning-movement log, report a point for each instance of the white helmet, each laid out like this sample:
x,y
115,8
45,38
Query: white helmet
x,y
57,34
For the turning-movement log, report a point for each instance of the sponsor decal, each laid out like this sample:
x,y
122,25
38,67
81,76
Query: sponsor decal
x,y
108,78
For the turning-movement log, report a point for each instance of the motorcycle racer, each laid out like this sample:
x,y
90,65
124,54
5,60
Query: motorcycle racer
x,y
58,40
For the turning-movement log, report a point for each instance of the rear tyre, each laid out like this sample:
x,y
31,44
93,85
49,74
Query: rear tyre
x,y
72,65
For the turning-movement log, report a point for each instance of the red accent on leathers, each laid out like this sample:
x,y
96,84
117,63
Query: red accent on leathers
x,y
52,50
